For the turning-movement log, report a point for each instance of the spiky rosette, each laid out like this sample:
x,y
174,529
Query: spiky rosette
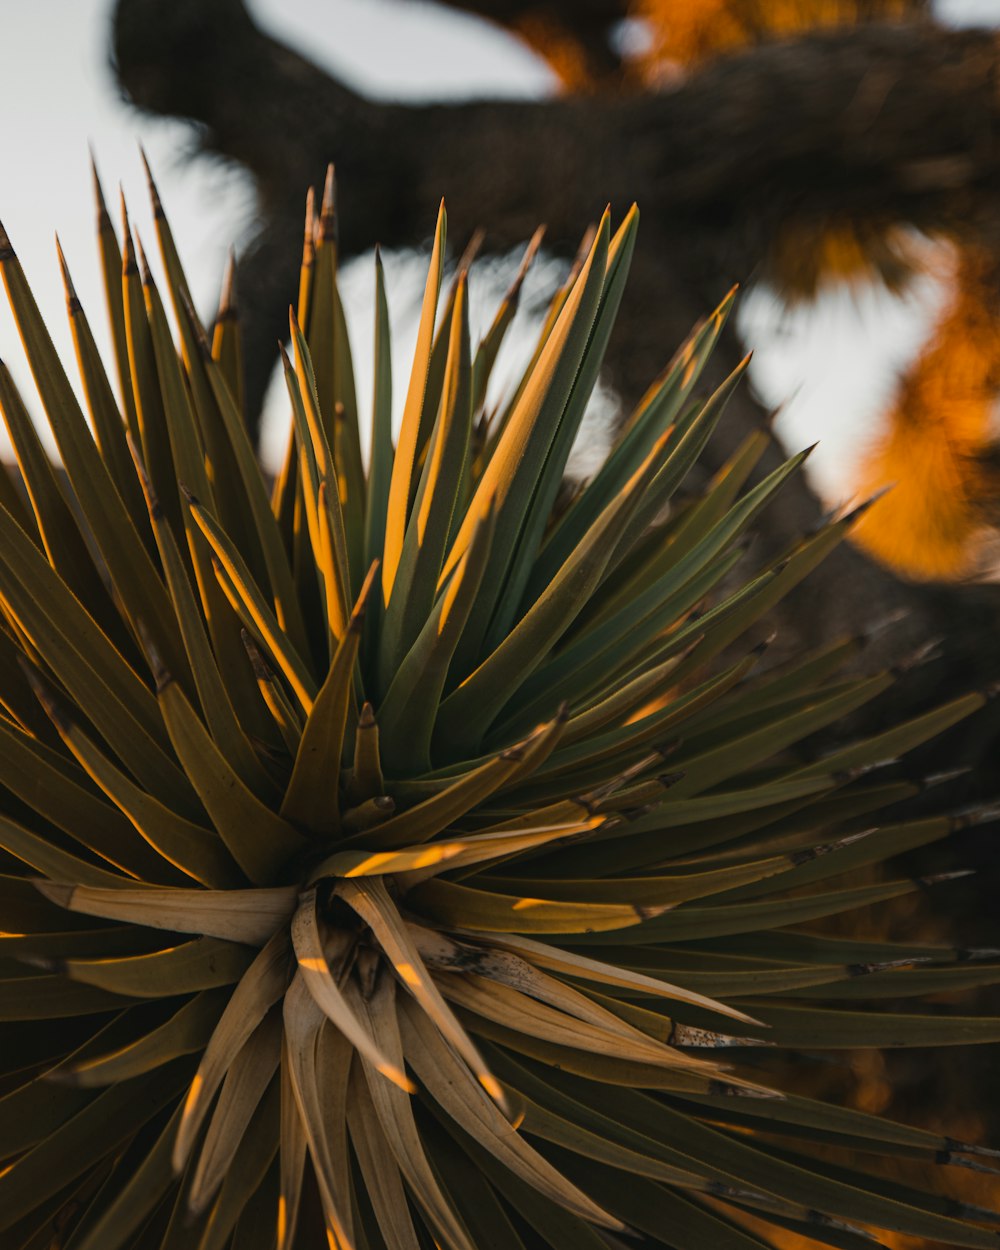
x,y
387,855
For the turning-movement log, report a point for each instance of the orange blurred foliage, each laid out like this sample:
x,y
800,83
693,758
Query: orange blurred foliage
x,y
685,32
935,523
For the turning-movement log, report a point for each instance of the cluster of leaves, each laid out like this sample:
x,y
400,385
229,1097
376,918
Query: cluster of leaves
x,y
345,885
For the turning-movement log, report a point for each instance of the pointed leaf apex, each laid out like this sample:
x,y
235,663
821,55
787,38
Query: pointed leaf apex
x,y
472,250
162,676
261,669
927,651
129,265
366,720
95,178
872,499
941,878
195,323
969,817
72,301
325,229
153,505
309,231
144,270
54,891
228,305
6,251
764,643
154,194
358,613
45,696
530,252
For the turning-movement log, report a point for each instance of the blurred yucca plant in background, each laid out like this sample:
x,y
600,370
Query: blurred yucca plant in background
x,y
382,857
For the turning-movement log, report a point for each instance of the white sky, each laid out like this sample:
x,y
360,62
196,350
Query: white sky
x,y
833,364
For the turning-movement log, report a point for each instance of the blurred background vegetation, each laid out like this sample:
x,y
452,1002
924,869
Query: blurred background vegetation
x,y
841,144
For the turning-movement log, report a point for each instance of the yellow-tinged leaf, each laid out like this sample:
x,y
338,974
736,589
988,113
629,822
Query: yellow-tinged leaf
x,y
312,798
195,850
403,482
379,1170
286,604
468,711
227,341
128,562
570,963
409,710
413,863
250,916
59,793
422,553
246,1080
421,822
371,901
36,851
486,912
109,427
237,581
89,667
184,1033
365,781
304,1024
211,689
492,340
285,716
315,974
260,987
661,405
395,1115
465,1103
527,1014
517,595
199,965
381,455
258,839
526,445
293,1145
111,273
321,474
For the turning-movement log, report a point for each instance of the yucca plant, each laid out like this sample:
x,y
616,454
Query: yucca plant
x,y
386,860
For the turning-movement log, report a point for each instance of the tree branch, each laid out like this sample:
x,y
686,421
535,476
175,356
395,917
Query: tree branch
x,y
574,36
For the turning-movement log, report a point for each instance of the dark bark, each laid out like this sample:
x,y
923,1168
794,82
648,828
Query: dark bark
x,y
562,31
878,123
